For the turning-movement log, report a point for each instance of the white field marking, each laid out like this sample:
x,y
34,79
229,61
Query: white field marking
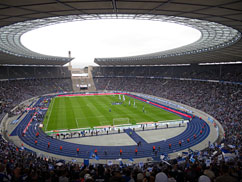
x,y
49,114
174,120
77,123
91,105
104,122
101,116
84,106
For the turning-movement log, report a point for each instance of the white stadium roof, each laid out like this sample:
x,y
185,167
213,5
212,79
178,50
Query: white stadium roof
x,y
219,21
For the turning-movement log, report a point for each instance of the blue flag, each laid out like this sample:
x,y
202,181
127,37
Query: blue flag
x,y
192,159
97,158
225,151
93,156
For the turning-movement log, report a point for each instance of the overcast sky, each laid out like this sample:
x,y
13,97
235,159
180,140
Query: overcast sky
x,y
107,38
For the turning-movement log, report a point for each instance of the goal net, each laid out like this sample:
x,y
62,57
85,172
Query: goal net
x,y
120,121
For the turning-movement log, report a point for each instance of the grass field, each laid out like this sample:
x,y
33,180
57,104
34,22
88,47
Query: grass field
x,y
90,111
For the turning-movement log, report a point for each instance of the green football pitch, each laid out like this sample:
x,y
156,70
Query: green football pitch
x,y
91,111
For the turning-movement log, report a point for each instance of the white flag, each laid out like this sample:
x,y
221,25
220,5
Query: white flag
x,y
123,98
134,103
119,97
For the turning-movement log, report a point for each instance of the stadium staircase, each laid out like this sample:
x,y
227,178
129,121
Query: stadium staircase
x,y
93,87
132,134
83,80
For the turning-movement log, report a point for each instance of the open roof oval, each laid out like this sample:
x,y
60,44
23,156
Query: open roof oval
x,y
108,38
214,36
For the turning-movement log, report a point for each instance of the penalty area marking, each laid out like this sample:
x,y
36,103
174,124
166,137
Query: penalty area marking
x,y
104,122
49,115
77,123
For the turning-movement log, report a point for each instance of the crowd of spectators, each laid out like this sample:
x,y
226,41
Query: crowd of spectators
x,y
18,164
13,92
211,72
13,72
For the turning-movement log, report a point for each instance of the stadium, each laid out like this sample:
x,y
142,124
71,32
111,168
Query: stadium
x,y
172,115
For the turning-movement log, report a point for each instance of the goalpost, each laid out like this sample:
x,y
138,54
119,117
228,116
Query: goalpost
x,y
120,121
